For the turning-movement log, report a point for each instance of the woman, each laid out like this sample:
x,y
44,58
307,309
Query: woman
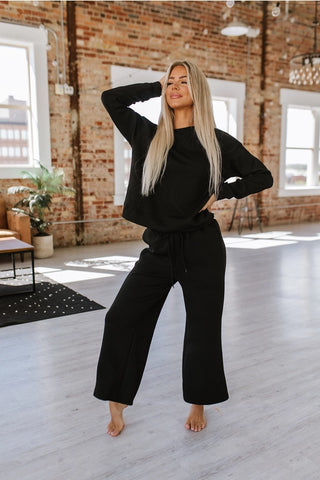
x,y
179,168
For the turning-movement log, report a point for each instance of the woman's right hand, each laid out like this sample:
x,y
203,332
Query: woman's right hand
x,y
210,204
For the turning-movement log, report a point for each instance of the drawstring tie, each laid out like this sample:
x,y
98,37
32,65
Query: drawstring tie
x,y
176,244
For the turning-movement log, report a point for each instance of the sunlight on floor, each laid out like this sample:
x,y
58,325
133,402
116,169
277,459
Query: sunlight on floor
x,y
114,262
69,276
267,240
85,269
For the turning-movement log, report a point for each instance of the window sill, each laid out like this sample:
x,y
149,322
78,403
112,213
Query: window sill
x,y
15,172
299,192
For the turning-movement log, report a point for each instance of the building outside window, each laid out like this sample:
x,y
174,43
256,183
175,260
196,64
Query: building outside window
x,y
300,153
24,106
227,99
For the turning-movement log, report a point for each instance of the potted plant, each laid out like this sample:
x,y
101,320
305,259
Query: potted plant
x,y
37,203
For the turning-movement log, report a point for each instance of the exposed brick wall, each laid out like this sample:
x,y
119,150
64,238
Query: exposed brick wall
x,y
284,40
143,34
48,14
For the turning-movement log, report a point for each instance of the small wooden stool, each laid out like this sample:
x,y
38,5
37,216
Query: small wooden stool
x,y
246,212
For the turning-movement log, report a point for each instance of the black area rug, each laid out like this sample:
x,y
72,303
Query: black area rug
x,y
49,301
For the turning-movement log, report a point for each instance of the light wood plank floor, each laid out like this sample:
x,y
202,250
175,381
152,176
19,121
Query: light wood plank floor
x,y
52,428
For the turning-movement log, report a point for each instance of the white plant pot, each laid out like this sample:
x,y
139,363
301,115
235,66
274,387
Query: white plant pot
x,y
43,246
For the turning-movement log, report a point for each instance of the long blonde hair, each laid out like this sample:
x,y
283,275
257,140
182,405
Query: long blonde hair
x,y
204,124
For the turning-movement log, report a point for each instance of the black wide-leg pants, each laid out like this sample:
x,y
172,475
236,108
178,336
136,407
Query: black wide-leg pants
x,y
197,261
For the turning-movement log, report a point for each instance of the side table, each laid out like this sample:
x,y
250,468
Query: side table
x,y
13,245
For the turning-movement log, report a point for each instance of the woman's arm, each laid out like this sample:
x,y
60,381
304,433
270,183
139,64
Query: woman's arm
x,y
252,175
117,102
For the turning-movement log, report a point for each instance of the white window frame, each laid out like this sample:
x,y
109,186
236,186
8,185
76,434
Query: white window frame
x,y
233,92
35,39
295,98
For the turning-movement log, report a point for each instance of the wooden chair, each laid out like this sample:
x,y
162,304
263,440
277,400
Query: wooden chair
x,y
14,224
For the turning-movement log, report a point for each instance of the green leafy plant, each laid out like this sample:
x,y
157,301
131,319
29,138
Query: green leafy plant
x,y
37,203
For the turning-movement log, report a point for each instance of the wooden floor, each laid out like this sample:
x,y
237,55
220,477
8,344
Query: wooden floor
x,y
52,428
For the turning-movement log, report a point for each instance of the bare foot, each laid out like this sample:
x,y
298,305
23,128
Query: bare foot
x,y
196,420
116,425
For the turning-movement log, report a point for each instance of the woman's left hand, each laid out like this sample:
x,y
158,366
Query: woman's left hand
x,y
210,204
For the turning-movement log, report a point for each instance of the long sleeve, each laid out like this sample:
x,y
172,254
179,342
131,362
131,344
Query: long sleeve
x,y
237,161
118,100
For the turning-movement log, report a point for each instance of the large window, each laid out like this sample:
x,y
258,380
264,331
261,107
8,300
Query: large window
x,y
24,108
227,98
300,154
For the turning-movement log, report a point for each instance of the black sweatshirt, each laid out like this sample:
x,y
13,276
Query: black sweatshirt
x,y
184,188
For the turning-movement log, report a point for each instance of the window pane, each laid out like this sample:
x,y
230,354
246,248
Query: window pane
x,y
221,114
14,79
127,162
150,109
14,143
14,92
300,128
298,166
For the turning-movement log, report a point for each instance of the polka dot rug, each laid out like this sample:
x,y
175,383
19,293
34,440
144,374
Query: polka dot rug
x,y
50,300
